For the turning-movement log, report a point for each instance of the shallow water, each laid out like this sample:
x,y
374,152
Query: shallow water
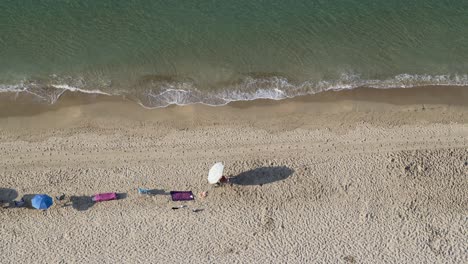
x,y
160,53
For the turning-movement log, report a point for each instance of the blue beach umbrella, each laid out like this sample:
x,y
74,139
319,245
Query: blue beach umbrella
x,y
42,201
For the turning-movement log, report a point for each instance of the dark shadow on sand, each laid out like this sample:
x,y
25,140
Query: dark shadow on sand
x,y
27,200
7,196
263,175
121,196
81,203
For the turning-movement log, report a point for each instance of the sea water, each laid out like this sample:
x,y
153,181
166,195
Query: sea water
x,y
180,52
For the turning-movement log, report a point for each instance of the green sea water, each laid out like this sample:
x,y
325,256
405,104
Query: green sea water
x,y
165,52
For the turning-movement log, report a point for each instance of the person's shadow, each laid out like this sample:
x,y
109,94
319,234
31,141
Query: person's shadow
x,y
263,175
7,196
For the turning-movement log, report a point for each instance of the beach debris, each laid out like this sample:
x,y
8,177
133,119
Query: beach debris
x,y
19,204
179,207
196,210
182,195
101,197
60,197
420,168
42,201
416,169
203,194
349,259
144,191
215,173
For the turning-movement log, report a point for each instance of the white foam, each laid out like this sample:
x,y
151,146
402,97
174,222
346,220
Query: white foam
x,y
172,96
273,94
5,88
40,91
75,89
273,88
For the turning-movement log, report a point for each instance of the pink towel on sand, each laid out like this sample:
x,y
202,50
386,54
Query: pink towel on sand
x,y
100,197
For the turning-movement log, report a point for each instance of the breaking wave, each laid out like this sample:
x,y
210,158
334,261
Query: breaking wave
x,y
163,91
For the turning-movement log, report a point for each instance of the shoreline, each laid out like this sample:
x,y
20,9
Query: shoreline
x,y
337,110
24,104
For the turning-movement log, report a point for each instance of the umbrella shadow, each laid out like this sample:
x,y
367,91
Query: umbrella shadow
x,y
7,196
81,203
27,200
263,175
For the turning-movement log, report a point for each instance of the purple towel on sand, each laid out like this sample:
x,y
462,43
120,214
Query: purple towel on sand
x,y
181,196
101,197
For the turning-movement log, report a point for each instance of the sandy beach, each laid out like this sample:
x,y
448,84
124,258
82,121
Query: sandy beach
x,y
361,176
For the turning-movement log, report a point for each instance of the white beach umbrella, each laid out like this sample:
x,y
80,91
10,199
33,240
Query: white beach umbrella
x,y
215,173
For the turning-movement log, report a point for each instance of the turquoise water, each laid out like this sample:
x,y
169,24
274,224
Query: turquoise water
x,y
165,52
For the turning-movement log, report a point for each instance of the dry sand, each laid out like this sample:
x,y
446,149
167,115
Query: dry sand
x,y
328,178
